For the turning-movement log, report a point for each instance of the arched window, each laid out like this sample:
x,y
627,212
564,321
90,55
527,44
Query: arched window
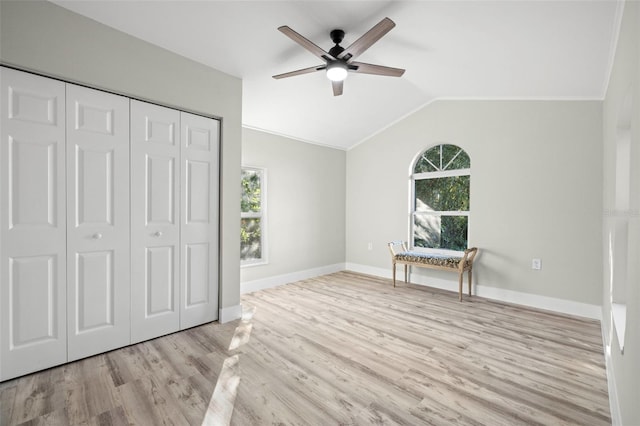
x,y
440,200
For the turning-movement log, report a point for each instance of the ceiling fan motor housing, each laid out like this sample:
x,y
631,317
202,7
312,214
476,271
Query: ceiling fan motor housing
x,y
336,36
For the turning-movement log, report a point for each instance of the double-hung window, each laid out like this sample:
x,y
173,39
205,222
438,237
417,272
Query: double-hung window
x,y
252,216
440,200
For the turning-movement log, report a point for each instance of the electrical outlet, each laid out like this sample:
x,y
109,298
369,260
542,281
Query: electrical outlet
x,y
370,246
536,264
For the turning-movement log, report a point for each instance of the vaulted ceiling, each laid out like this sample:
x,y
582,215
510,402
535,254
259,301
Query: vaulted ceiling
x,y
508,49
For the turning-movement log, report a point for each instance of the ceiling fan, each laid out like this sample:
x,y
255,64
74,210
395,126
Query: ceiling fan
x,y
338,60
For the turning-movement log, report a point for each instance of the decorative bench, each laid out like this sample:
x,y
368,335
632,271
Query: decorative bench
x,y
400,254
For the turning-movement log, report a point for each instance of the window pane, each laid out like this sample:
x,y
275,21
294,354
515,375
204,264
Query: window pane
x,y
442,157
250,239
454,158
251,191
445,232
428,160
443,194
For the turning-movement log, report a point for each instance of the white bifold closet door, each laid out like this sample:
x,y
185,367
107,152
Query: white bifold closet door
x,y
33,328
199,217
98,256
174,220
108,221
155,221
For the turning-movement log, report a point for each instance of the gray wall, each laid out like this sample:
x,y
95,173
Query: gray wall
x,y
305,203
624,368
48,39
536,182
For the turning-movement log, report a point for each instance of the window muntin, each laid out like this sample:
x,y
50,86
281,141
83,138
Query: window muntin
x,y
440,206
252,210
442,157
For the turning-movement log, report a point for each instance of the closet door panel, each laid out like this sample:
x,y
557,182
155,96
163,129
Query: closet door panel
x,y
155,236
199,231
32,224
160,190
196,274
159,282
98,221
95,290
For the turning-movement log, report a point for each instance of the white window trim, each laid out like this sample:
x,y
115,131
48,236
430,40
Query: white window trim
x,y
441,213
441,174
263,219
412,207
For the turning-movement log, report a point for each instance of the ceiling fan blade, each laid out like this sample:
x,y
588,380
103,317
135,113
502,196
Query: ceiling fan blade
x,y
370,37
375,69
307,44
299,72
337,87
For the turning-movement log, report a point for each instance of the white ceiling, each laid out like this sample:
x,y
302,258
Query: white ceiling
x,y
451,49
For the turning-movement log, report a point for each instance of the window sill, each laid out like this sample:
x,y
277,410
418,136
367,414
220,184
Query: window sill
x,y
251,263
439,252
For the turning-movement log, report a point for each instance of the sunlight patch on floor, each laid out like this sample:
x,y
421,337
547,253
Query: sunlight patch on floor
x,y
222,400
243,330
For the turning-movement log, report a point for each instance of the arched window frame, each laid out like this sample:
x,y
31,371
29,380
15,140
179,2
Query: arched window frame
x,y
442,170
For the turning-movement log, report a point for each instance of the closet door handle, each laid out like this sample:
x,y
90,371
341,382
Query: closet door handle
x,y
157,234
96,236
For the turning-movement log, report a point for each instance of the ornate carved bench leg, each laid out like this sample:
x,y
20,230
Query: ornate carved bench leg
x,y
405,273
460,285
470,281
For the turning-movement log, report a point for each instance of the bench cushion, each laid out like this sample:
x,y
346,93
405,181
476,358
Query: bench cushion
x,y
429,259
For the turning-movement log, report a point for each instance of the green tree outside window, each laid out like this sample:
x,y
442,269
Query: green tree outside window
x,y
251,215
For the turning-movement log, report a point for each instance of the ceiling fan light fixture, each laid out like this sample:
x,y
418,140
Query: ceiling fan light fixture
x,y
337,71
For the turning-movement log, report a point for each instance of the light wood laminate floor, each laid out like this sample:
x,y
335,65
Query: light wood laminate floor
x,y
342,349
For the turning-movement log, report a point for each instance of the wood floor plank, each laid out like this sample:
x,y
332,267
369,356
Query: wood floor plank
x,y
114,417
91,397
145,402
539,400
52,418
37,395
280,397
7,401
580,394
340,349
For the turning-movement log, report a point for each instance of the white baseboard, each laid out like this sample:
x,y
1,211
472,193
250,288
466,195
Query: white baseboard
x,y
230,313
542,302
261,284
495,293
614,405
